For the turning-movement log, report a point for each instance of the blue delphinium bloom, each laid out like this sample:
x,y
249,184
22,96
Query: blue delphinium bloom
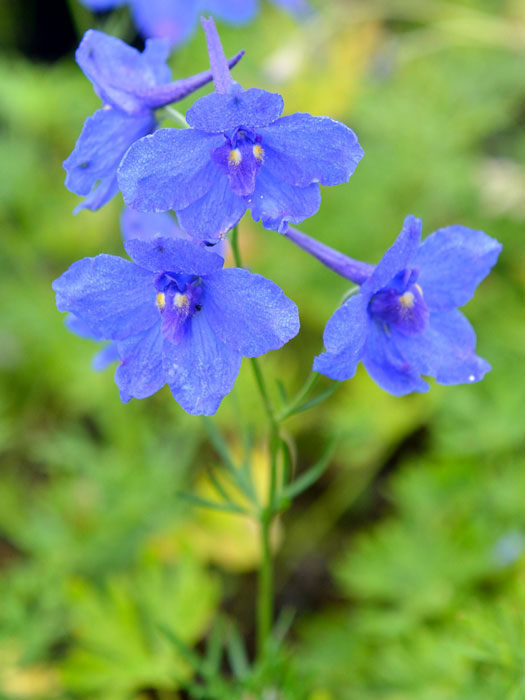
x,y
131,86
177,317
404,321
176,20
238,154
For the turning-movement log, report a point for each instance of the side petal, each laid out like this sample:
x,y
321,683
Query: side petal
x,y
452,262
398,257
105,357
105,138
387,367
168,170
174,20
301,149
140,374
445,350
276,204
248,312
217,113
114,297
200,369
214,214
147,226
232,11
173,255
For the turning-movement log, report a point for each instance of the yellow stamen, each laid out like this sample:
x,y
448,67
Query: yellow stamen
x,y
181,301
407,300
161,300
235,157
258,152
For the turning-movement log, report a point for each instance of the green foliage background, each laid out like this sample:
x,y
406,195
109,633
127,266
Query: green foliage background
x,y
405,563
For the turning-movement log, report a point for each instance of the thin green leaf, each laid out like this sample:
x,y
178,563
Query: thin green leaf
x,y
282,391
213,505
214,649
237,654
307,405
193,659
311,475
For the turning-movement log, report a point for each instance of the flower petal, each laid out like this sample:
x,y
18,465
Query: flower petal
x,y
105,138
232,11
248,312
214,214
168,170
452,262
138,224
445,350
174,20
217,113
398,257
276,204
299,8
114,297
387,367
301,149
140,374
200,369
105,357
173,255
102,5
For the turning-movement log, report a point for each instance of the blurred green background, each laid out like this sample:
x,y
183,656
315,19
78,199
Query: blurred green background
x,y
405,563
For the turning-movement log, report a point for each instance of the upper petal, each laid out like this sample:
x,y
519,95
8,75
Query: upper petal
x,y
173,255
398,257
138,224
217,113
232,11
301,149
168,170
387,367
104,139
214,214
200,369
452,262
140,373
276,203
445,350
248,312
113,296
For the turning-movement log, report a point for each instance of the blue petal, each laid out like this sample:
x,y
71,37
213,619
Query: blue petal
x,y
214,214
276,204
102,5
445,350
105,357
232,11
138,224
301,149
400,256
169,170
387,367
344,338
104,140
452,262
114,297
217,113
173,255
155,55
174,20
119,72
248,312
299,8
200,369
140,373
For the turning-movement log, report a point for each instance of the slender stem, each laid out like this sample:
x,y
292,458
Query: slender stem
x,y
300,397
265,591
176,116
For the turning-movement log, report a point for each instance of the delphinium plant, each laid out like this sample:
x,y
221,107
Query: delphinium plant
x,y
172,313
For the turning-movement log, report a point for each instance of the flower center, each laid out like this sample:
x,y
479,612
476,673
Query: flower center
x,y
400,305
240,159
178,300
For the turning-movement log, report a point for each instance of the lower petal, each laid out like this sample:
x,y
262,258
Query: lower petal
x,y
140,374
276,203
387,367
200,369
445,350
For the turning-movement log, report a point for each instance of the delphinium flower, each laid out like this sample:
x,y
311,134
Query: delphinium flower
x,y
176,20
239,154
131,85
177,317
404,321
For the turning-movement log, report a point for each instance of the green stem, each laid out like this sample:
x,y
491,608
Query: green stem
x,y
299,399
176,116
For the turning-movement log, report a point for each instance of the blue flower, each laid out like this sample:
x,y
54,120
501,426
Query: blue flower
x,y
177,317
131,86
238,154
176,20
404,321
